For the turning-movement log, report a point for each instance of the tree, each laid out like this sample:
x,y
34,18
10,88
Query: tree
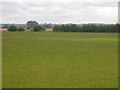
x,y
31,24
74,28
21,29
4,25
12,28
67,28
87,28
57,28
117,28
38,28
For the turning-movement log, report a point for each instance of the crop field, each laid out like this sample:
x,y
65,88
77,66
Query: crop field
x,y
60,60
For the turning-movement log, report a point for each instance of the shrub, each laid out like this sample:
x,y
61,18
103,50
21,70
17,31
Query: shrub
x,y
28,28
21,29
38,28
12,28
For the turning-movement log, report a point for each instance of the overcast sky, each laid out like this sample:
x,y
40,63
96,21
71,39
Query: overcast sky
x,y
59,11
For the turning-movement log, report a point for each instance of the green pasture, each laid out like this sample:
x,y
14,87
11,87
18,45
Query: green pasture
x,y
59,60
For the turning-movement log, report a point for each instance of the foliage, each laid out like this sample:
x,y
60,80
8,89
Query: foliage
x,y
47,25
21,29
118,27
27,28
12,28
5,26
38,28
31,24
86,28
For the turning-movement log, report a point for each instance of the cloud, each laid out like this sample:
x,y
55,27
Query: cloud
x,y
60,11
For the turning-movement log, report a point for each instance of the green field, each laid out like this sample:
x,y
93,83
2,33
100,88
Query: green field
x,y
60,60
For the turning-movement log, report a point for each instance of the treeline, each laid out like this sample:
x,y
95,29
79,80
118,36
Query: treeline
x,y
86,28
31,26
35,26
45,25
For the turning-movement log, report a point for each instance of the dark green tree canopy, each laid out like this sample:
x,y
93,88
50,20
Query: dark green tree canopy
x,y
12,28
31,24
21,29
87,28
38,28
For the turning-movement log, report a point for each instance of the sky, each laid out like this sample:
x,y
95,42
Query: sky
x,y
59,11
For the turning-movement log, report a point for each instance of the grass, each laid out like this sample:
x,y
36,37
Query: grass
x,y
60,60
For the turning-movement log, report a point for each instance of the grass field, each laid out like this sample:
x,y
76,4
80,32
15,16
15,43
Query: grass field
x,y
60,60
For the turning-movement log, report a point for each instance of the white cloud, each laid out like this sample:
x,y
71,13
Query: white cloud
x,y
60,11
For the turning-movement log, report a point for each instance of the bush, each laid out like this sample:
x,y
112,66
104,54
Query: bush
x,y
38,28
12,28
27,28
21,29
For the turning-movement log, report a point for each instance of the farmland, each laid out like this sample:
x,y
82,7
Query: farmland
x,y
60,60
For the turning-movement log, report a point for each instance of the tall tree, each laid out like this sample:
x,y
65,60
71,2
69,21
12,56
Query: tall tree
x,y
31,24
